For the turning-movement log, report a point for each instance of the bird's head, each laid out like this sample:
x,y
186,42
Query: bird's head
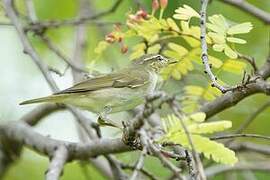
x,y
154,62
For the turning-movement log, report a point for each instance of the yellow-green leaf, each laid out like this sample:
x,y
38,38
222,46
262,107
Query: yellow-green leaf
x,y
217,38
173,25
219,22
209,127
179,49
185,13
236,40
198,117
191,41
101,47
154,49
219,47
240,28
210,149
216,63
229,52
234,66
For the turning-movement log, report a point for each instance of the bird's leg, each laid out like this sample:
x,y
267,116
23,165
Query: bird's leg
x,y
103,119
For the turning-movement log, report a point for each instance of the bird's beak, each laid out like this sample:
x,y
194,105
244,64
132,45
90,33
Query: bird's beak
x,y
173,62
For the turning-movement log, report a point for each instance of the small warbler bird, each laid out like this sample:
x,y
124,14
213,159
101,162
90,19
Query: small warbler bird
x,y
118,91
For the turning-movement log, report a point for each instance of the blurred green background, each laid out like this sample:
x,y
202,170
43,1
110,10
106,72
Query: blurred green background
x,y
22,80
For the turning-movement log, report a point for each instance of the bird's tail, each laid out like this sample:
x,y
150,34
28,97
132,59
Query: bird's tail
x,y
53,98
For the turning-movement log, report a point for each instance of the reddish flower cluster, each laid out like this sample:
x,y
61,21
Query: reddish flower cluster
x,y
138,17
117,36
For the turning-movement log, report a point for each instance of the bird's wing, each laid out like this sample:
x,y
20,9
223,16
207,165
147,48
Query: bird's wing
x,y
130,79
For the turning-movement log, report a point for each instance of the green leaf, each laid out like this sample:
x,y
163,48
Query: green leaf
x,y
217,38
234,66
219,24
240,28
229,52
236,40
173,25
185,13
174,132
198,117
219,47
210,149
102,45
136,54
154,49
210,127
192,41
216,63
179,49
194,90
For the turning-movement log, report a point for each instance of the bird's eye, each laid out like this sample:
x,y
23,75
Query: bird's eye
x,y
159,58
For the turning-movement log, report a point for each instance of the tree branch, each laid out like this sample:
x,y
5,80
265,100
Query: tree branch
x,y
57,163
231,98
251,9
217,169
22,133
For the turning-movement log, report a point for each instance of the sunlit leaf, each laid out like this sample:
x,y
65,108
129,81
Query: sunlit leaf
x,y
234,66
198,117
174,132
217,38
236,40
102,45
185,13
216,63
229,52
219,24
178,48
240,28
154,49
219,47
173,25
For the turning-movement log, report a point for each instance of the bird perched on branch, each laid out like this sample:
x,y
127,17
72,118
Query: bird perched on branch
x,y
115,92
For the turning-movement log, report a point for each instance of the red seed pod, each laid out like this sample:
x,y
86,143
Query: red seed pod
x,y
155,5
124,49
163,4
142,14
110,38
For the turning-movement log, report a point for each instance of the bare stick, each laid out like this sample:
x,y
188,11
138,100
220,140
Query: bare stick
x,y
57,163
252,117
229,136
58,52
204,56
28,48
251,9
139,164
198,163
217,169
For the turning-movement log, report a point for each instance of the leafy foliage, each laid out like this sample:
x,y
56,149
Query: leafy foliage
x,y
196,127
178,38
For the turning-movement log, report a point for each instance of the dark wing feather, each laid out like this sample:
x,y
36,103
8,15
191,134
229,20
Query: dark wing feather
x,y
125,78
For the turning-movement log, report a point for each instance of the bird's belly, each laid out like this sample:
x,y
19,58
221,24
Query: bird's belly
x,y
116,99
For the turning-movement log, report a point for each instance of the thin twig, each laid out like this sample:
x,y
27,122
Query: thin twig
x,y
251,9
28,48
146,142
58,52
76,21
249,59
57,163
198,163
139,164
204,56
252,117
217,169
229,136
